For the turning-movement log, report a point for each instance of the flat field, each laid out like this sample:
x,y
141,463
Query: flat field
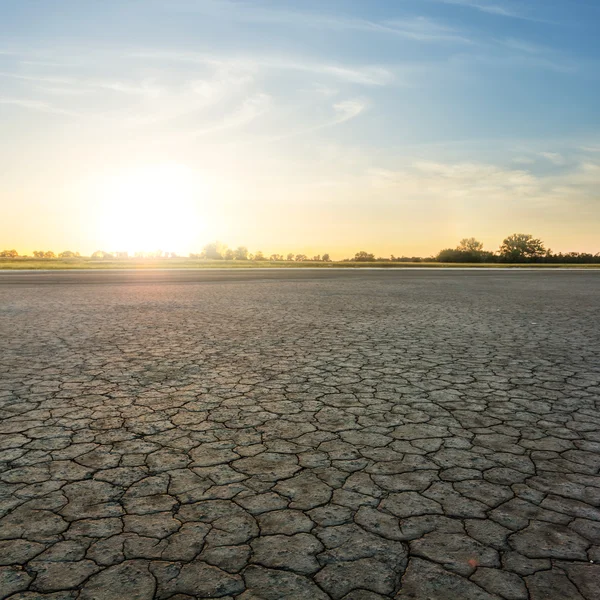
x,y
300,434
22,263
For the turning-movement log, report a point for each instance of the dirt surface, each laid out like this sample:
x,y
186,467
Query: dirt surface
x,y
300,434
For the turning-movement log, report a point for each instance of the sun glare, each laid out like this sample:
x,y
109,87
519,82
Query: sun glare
x,y
153,208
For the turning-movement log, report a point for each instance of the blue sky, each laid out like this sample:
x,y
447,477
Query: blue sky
x,y
403,124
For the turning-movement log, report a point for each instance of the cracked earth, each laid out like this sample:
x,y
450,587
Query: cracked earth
x,y
300,435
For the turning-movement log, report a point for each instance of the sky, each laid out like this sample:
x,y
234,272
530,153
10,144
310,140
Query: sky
x,y
391,126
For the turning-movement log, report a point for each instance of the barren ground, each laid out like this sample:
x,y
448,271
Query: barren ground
x,y
308,435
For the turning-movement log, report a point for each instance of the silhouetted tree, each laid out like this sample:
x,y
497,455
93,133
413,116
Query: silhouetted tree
x,y
300,257
326,258
228,254
469,250
9,254
68,254
213,251
258,255
240,253
520,247
276,257
470,245
363,256
290,256
451,255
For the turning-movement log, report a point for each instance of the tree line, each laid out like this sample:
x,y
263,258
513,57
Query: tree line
x,y
218,251
516,248
40,254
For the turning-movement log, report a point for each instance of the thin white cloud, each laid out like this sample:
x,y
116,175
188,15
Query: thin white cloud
x,y
347,110
144,88
420,29
485,6
523,160
524,46
37,105
366,75
251,108
489,186
38,78
554,157
343,112
416,29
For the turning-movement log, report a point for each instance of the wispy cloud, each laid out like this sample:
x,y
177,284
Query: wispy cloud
x,y
419,29
37,78
146,88
343,111
365,75
483,184
554,157
250,109
492,8
413,28
348,109
37,105
524,46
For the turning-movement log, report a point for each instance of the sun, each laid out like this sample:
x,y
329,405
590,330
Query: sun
x,y
151,208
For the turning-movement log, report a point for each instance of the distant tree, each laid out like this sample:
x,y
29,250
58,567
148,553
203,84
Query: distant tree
x,y
469,250
408,259
49,254
300,257
325,258
454,255
290,256
68,254
521,247
258,255
103,254
9,254
363,256
228,254
213,251
240,253
38,253
470,245
276,257
316,258
573,257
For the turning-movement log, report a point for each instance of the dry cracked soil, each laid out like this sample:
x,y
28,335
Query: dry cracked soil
x,y
305,435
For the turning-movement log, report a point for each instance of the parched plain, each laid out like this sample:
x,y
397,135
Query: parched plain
x,y
301,435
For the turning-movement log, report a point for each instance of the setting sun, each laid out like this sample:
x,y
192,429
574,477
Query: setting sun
x,y
151,208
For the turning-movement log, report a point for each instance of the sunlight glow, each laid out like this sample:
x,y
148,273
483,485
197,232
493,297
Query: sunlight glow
x,y
153,208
